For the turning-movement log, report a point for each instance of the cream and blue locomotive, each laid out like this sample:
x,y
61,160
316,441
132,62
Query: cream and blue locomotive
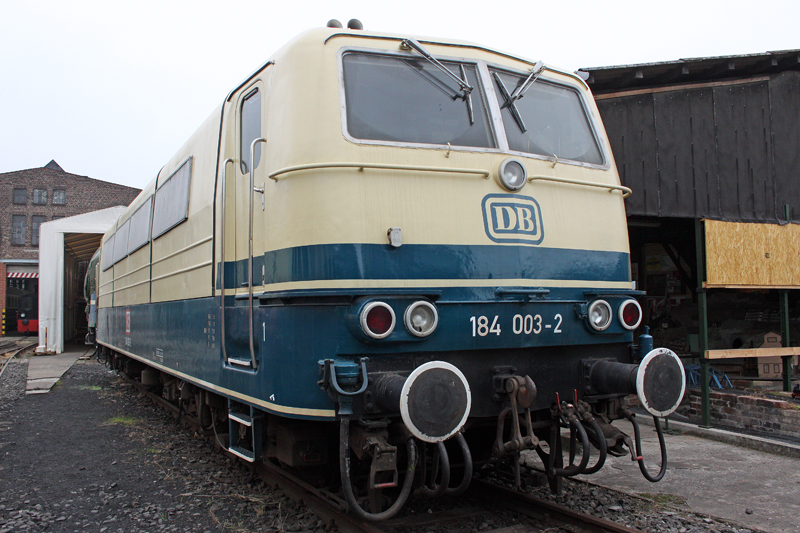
x,y
393,257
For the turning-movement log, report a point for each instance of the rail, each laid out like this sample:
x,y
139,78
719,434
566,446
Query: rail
x,y
611,188
361,166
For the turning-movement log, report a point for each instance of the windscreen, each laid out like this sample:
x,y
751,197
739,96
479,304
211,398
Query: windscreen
x,y
407,99
547,120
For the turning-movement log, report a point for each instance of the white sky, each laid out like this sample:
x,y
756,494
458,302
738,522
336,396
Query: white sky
x,y
112,89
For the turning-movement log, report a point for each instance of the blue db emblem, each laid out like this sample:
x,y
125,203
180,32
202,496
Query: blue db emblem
x,y
512,218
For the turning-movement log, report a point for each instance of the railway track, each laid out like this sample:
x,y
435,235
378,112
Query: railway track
x,y
14,349
522,513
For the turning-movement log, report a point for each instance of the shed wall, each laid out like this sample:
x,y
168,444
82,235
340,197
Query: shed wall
x,y
728,152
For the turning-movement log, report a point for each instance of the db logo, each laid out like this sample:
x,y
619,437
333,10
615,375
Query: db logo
x,y
512,218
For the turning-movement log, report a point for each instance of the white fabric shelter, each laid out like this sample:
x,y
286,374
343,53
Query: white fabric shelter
x,y
51,270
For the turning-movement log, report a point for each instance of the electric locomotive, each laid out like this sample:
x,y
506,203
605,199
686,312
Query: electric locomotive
x,y
393,258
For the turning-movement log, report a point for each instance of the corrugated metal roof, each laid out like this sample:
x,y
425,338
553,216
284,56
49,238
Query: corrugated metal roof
x,y
688,71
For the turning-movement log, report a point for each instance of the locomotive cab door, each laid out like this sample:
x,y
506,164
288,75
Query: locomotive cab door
x,y
242,214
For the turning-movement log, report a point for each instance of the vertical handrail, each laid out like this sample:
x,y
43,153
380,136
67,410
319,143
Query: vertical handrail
x,y
250,250
222,263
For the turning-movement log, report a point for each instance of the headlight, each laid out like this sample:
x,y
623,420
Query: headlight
x,y
377,320
600,315
421,318
630,314
512,174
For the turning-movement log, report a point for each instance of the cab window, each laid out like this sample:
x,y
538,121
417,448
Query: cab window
x,y
251,129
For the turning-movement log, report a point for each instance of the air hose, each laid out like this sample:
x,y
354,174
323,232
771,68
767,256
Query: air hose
x,y
576,426
444,460
602,446
462,442
637,438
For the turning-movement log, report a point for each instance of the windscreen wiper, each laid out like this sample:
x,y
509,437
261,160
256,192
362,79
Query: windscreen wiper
x,y
519,92
466,88
536,71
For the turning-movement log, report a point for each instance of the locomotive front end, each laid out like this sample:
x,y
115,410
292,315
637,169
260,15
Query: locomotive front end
x,y
498,308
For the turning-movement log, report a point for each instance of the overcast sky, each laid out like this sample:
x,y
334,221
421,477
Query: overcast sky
x,y
112,89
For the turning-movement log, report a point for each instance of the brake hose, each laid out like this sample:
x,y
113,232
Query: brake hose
x,y
575,470
441,488
637,437
602,446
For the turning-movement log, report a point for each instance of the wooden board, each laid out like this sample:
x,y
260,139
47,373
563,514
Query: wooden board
x,y
752,352
749,255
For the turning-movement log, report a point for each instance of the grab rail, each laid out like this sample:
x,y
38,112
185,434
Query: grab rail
x,y
361,166
611,188
222,261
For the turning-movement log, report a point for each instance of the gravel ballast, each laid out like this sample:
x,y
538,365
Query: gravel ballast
x,y
94,455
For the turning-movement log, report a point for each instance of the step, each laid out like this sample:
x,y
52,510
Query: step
x,y
245,454
243,419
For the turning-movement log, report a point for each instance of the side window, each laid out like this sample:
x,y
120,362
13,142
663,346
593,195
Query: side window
x,y
251,129
108,254
21,196
18,230
140,227
36,222
172,200
121,242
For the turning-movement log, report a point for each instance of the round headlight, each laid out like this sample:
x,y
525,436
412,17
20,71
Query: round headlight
x,y
630,314
512,174
377,320
599,315
421,318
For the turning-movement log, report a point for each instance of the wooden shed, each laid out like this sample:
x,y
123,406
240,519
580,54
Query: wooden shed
x,y
711,149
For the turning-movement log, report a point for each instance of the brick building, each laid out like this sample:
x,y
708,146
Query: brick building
x,y
29,198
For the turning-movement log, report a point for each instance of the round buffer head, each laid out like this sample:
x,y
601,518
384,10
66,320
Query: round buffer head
x,y
435,401
660,382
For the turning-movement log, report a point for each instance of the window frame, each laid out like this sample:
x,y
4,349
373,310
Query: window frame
x,y
43,192
590,119
135,245
36,230
155,232
244,148
479,92
64,194
14,196
492,100
122,231
24,230
107,256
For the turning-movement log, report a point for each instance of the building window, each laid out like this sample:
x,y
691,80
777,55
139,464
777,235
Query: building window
x,y
20,196
59,196
18,232
56,217
36,221
40,196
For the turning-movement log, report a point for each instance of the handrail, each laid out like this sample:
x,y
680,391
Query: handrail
x,y
611,188
222,262
182,270
182,250
361,166
250,248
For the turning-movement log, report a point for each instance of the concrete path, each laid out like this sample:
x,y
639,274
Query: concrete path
x,y
44,371
722,479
